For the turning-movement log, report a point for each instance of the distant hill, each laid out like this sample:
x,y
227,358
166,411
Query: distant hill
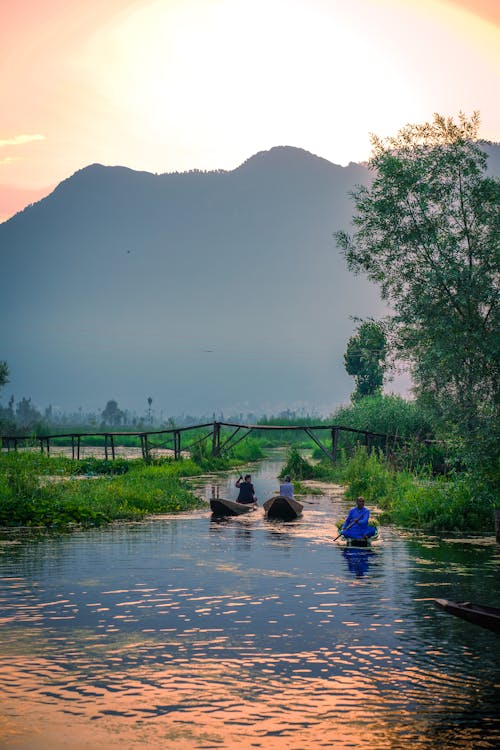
x,y
206,291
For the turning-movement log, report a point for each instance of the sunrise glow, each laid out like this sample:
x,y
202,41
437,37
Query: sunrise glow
x,y
165,85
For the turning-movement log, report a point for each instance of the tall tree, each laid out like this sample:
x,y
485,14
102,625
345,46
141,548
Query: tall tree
x,y
427,230
112,415
6,414
365,358
4,373
27,416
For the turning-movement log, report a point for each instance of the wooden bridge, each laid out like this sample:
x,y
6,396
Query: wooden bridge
x,y
223,437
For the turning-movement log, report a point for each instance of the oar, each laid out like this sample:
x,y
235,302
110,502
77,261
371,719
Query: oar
x,y
347,529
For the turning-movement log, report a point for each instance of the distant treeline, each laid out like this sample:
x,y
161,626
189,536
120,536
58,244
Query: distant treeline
x,y
23,417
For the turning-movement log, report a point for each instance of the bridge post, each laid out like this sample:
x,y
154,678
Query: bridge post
x,y
216,439
177,445
368,442
335,442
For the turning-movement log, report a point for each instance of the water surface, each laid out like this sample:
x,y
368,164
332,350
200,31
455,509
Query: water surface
x,y
186,632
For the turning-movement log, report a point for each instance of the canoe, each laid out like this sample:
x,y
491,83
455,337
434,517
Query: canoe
x,y
486,617
222,507
282,507
347,541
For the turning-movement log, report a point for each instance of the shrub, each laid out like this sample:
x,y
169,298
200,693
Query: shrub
x,y
367,474
296,466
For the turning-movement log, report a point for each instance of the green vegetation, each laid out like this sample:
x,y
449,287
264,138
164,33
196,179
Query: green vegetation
x,y
296,466
416,500
426,231
36,490
58,492
365,358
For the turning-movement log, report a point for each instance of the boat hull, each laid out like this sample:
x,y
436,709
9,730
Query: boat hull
x,y
347,541
486,617
282,507
222,507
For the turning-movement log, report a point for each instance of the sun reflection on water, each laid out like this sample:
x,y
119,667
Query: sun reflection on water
x,y
186,633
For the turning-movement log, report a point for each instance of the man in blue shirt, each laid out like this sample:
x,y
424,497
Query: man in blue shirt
x,y
356,524
286,489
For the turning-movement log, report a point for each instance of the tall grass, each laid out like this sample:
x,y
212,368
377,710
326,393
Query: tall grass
x,y
29,495
415,500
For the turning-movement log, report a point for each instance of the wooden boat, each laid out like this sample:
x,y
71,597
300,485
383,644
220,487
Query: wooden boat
x,y
222,507
486,617
347,541
282,507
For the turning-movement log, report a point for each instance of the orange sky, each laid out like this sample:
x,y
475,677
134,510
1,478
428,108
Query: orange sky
x,y
166,85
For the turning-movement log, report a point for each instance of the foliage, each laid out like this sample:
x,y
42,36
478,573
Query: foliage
x,y
249,449
456,503
27,417
296,466
201,456
367,474
399,418
427,232
365,358
111,414
4,373
26,498
386,414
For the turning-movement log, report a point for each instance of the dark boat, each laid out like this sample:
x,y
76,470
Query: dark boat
x,y
282,507
222,507
486,617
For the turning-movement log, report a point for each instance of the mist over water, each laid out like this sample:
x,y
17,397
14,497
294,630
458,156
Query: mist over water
x,y
187,632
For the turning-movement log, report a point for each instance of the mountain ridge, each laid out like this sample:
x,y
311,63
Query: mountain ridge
x,y
116,282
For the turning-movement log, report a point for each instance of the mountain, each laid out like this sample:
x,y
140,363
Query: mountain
x,y
207,291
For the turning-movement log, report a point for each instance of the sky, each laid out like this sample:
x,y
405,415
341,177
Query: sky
x,y
173,85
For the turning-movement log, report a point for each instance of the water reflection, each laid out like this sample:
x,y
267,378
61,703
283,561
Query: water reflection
x,y
196,632
358,560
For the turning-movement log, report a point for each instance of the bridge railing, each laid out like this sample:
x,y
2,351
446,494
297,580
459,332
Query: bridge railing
x,y
220,442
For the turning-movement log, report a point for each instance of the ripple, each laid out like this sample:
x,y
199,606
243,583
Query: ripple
x,y
180,632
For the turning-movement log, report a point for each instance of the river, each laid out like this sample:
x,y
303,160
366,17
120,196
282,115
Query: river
x,y
186,632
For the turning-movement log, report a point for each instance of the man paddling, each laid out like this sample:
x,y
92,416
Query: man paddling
x,y
356,524
246,490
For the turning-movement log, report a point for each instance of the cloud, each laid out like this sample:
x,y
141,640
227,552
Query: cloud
x,y
8,160
18,140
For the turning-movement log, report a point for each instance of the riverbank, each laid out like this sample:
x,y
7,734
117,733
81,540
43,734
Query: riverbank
x,y
416,500
57,492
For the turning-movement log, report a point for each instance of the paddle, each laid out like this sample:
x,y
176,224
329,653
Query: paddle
x,y
347,529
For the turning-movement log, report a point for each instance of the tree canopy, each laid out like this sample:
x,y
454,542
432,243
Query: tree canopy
x,y
427,231
365,358
112,414
4,373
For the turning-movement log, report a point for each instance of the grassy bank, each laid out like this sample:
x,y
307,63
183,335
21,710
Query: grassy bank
x,y
457,502
37,490
56,491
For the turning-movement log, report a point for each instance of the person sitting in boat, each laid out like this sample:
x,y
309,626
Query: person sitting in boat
x,y
246,490
286,489
356,524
